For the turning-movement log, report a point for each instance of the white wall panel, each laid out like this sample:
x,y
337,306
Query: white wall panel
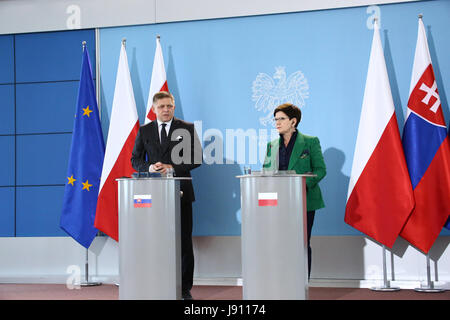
x,y
345,261
176,10
51,15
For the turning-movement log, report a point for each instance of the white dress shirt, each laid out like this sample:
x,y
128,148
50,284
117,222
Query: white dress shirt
x,y
168,124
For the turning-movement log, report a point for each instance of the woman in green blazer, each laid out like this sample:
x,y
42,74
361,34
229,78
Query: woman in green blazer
x,y
299,152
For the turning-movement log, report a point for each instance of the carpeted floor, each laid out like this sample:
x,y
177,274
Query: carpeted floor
x,y
111,292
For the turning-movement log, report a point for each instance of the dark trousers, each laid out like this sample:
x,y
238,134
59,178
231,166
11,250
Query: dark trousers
x,y
309,222
187,251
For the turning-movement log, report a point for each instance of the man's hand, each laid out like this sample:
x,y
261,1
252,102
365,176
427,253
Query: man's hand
x,y
160,167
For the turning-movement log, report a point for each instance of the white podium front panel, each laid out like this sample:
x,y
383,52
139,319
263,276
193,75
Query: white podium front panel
x,y
149,238
274,243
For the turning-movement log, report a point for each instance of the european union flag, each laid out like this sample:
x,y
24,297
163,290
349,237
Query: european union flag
x,y
85,163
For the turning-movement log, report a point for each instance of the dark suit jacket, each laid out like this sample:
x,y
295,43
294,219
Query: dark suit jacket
x,y
183,151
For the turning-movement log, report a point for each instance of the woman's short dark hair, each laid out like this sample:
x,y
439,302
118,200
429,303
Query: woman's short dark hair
x,y
291,111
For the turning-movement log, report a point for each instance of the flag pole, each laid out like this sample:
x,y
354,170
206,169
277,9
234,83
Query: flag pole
x,y
86,264
97,72
88,283
430,284
386,286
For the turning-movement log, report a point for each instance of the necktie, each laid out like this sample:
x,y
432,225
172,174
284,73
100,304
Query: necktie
x,y
163,134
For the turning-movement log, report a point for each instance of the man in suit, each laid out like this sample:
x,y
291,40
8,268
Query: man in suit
x,y
299,152
168,144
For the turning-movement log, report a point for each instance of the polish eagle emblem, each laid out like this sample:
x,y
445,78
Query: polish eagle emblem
x,y
270,92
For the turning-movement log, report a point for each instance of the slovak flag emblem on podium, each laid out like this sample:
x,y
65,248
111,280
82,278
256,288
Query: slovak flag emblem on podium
x,y
143,201
267,199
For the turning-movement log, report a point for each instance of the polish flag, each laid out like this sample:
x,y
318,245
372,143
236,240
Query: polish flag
x,y
427,151
380,197
158,81
267,199
122,133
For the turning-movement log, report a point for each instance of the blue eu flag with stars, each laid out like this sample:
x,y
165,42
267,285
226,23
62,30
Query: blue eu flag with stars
x,y
85,163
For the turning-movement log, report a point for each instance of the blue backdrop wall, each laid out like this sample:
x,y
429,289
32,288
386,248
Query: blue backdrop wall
x,y
212,66
39,75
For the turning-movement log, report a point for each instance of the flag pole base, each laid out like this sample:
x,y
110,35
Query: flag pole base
x,y
386,284
385,289
429,289
90,284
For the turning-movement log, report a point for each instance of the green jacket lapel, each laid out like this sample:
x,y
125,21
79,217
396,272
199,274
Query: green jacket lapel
x,y
273,156
298,148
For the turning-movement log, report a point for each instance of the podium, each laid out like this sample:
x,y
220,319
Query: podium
x,y
149,238
274,236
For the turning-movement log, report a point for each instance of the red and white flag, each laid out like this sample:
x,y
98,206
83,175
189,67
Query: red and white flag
x,y
267,199
122,133
158,81
380,197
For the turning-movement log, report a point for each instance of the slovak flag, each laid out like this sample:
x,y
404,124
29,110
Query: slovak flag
x,y
143,201
427,151
267,199
380,197
447,225
158,81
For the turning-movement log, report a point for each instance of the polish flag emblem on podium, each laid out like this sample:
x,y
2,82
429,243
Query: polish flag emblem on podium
x,y
267,199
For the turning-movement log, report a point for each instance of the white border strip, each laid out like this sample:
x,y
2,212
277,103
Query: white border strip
x,y
43,15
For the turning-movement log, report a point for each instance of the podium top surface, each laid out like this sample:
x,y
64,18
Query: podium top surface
x,y
275,174
154,178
